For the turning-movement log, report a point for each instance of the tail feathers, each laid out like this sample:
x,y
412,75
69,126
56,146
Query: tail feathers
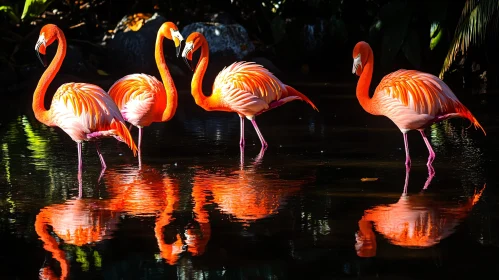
x,y
293,92
465,113
123,134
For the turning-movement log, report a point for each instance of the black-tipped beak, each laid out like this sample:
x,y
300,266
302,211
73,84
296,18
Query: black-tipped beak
x,y
178,49
189,63
41,57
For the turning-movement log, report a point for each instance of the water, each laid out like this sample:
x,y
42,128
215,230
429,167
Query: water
x,y
324,201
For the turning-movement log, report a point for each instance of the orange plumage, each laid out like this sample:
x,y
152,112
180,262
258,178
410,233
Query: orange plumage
x,y
143,99
410,98
84,111
245,88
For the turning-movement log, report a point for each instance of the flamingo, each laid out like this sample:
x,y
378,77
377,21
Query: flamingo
x,y
141,98
84,111
410,98
245,88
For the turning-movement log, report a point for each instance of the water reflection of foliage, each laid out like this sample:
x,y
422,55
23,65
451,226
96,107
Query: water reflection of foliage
x,y
26,145
449,138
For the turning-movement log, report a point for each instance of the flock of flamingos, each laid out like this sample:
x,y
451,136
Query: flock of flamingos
x,y
413,100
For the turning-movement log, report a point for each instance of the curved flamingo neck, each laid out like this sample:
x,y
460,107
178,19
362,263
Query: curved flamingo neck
x,y
50,243
363,85
197,79
171,91
48,76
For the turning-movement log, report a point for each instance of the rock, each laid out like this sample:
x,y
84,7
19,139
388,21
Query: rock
x,y
133,51
230,40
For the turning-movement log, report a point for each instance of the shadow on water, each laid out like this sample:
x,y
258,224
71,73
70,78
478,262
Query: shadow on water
x,y
328,196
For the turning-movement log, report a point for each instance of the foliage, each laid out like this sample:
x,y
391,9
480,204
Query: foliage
x,y
34,8
476,17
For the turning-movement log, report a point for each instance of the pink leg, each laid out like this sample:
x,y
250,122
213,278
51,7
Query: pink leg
x,y
264,143
241,163
407,157
241,139
102,162
80,162
406,183
430,149
130,128
259,157
140,144
431,174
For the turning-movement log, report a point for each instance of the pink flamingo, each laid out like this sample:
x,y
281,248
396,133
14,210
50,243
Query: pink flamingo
x,y
84,111
411,99
143,99
245,88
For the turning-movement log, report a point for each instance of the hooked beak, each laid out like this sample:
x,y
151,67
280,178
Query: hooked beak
x,y
356,63
39,43
177,49
189,63
177,39
187,48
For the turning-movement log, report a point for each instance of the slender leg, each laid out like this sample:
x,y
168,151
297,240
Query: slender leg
x,y
80,187
241,149
406,183
407,157
101,157
259,157
264,143
80,162
431,174
130,128
241,139
140,144
430,149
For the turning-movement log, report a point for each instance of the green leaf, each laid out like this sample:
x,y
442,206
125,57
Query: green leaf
x,y
33,8
412,48
395,17
471,28
10,13
435,35
278,26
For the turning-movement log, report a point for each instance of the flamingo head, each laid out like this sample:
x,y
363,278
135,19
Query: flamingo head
x,y
360,55
170,31
192,43
48,34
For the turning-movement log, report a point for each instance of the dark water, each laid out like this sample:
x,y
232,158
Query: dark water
x,y
325,200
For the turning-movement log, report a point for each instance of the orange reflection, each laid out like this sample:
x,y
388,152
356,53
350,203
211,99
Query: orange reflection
x,y
415,221
246,194
195,235
137,192
76,222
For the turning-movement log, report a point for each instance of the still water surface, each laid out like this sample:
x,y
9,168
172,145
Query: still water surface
x,y
325,201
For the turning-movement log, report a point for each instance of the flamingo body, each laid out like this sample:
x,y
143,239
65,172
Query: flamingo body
x,y
84,111
141,99
245,88
412,99
249,89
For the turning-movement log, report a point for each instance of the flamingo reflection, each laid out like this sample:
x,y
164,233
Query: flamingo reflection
x,y
415,221
147,192
246,194
76,222
195,235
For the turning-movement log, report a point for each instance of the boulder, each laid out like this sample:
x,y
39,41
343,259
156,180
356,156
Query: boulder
x,y
229,40
133,51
